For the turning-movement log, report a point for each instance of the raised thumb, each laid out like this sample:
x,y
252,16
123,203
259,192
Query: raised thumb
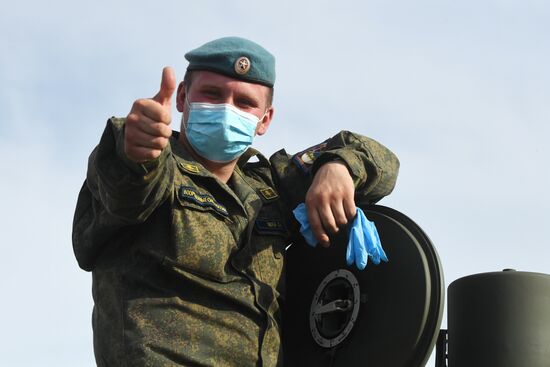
x,y
167,87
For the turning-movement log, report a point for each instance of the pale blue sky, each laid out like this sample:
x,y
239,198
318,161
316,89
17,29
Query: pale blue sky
x,y
458,89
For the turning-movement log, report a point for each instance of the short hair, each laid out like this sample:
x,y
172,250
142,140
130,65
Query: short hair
x,y
188,79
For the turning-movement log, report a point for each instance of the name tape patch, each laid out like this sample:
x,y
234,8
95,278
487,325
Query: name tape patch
x,y
270,226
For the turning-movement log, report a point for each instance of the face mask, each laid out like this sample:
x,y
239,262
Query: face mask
x,y
219,132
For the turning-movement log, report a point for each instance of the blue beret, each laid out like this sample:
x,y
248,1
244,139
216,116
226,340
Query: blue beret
x,y
235,57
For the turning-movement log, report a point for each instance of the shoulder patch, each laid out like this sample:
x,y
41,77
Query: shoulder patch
x,y
305,158
192,168
269,194
270,226
205,200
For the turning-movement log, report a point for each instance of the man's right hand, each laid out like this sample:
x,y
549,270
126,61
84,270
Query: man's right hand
x,y
147,128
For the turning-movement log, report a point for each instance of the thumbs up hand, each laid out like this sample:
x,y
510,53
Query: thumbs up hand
x,y
147,127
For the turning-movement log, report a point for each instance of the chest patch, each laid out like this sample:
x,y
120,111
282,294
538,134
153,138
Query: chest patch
x,y
190,167
268,193
205,200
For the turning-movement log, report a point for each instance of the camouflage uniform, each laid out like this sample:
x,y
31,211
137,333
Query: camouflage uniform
x,y
188,270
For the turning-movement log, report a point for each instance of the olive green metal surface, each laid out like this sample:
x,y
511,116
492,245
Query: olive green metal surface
x,y
499,319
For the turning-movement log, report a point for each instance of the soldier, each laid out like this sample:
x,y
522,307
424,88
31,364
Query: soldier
x,y
185,237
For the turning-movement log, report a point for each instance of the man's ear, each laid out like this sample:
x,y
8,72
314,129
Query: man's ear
x,y
264,123
180,97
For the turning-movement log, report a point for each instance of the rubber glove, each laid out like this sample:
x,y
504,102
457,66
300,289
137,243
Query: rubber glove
x,y
300,212
363,243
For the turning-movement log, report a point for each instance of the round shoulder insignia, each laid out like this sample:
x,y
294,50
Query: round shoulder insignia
x,y
242,65
308,157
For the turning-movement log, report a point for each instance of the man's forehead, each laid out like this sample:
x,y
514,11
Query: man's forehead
x,y
210,79
214,77
234,57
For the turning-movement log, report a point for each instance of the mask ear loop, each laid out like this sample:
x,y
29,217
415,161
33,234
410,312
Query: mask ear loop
x,y
259,121
264,115
188,110
187,104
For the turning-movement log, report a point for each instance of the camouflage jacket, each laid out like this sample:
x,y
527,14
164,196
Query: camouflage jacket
x,y
188,270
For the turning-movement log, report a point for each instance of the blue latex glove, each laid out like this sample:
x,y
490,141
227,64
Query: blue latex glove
x,y
364,241
300,212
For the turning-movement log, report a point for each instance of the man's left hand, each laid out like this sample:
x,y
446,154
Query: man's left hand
x,y
330,200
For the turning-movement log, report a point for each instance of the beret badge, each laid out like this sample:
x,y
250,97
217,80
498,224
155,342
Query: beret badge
x,y
242,65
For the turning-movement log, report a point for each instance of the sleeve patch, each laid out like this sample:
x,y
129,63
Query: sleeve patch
x,y
304,159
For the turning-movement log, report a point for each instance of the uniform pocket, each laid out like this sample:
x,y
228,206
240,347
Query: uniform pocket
x,y
270,239
202,241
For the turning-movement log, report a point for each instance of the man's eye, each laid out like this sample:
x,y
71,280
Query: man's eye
x,y
212,93
245,103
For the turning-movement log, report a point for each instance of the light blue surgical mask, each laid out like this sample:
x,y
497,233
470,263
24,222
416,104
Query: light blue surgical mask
x,y
219,132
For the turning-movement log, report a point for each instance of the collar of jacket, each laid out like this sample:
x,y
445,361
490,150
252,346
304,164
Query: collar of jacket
x,y
186,162
251,185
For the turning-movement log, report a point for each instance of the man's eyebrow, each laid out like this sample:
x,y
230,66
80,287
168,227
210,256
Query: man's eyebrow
x,y
210,87
252,97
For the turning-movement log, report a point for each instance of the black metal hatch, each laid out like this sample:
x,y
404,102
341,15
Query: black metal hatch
x,y
387,315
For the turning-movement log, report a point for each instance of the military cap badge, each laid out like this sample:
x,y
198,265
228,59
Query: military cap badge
x,y
242,65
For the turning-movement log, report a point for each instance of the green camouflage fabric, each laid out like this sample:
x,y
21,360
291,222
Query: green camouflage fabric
x,y
189,271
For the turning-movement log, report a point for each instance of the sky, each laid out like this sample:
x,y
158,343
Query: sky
x,y
459,90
